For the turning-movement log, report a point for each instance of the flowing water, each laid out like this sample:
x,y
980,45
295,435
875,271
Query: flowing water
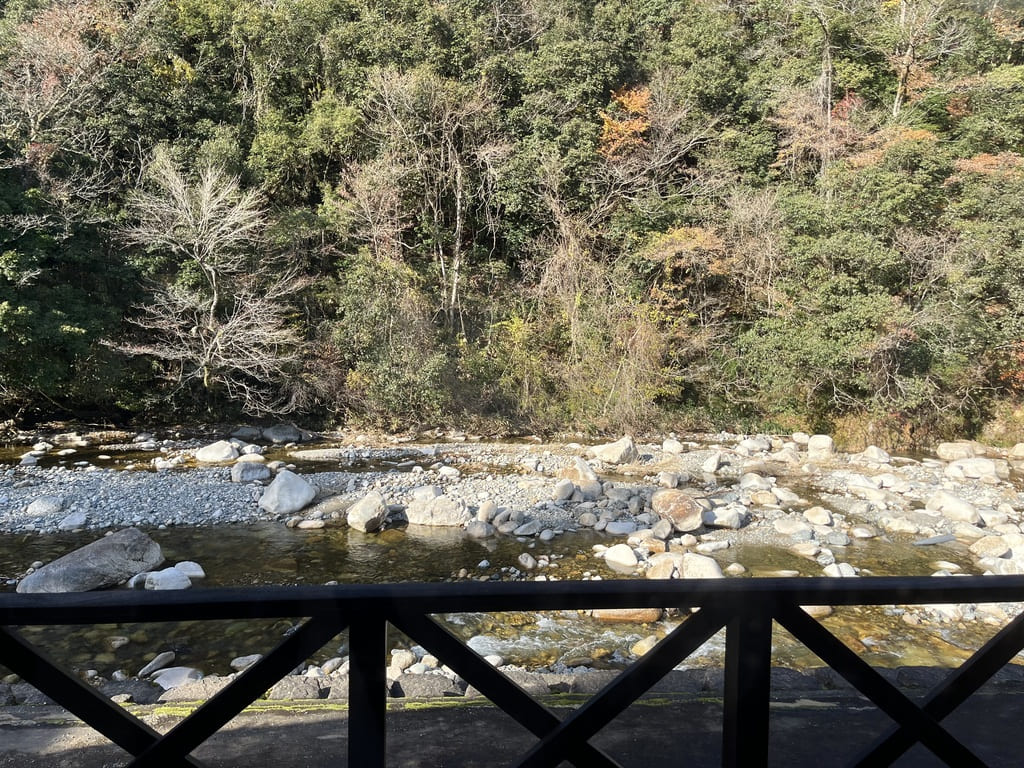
x,y
269,553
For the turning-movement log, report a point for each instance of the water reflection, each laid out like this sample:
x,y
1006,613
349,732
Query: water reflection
x,y
269,553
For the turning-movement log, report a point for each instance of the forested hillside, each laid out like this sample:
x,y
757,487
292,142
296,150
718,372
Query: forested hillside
x,y
547,213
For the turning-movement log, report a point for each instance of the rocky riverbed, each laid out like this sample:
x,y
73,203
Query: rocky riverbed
x,y
706,506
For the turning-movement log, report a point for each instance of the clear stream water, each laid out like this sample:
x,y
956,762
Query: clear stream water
x,y
270,553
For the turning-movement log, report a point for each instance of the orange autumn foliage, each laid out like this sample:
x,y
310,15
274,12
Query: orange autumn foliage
x,y
624,126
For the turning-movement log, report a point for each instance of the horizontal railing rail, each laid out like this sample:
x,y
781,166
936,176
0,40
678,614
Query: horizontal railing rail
x,y
745,608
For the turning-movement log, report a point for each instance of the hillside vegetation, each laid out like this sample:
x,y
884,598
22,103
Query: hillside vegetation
x,y
541,213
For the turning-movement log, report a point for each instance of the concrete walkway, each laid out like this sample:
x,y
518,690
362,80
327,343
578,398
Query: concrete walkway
x,y
814,730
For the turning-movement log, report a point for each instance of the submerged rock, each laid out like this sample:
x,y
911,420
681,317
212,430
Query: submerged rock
x,y
103,563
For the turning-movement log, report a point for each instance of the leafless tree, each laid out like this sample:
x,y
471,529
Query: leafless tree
x,y
212,222
232,333
918,34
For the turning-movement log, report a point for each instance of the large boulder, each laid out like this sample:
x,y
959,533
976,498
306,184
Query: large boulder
x,y
622,451
978,468
680,508
438,511
369,513
287,494
953,507
103,563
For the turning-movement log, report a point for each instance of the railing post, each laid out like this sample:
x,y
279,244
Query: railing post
x,y
748,656
367,691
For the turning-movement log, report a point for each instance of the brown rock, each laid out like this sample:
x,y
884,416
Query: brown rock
x,y
681,509
627,615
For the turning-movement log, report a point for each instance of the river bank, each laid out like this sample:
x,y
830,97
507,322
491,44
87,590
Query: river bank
x,y
741,506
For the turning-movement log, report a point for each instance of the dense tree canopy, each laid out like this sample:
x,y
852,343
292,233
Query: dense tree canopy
x,y
592,214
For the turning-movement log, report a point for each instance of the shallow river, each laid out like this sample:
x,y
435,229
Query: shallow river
x,y
270,553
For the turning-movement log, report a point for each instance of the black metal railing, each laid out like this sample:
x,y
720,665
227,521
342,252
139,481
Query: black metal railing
x,y
746,608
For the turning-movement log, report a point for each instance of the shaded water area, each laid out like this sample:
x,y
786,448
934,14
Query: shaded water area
x,y
269,553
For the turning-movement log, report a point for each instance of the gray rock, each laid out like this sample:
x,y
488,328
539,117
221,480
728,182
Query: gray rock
x,y
158,662
196,690
438,511
73,521
287,494
732,516
369,513
579,471
167,579
103,563
191,569
622,451
673,446
564,488
220,451
478,529
244,662
962,449
279,434
621,557
249,472
132,691
430,686
530,528
527,561
248,434
620,527
700,567
820,448
297,687
172,677
45,506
